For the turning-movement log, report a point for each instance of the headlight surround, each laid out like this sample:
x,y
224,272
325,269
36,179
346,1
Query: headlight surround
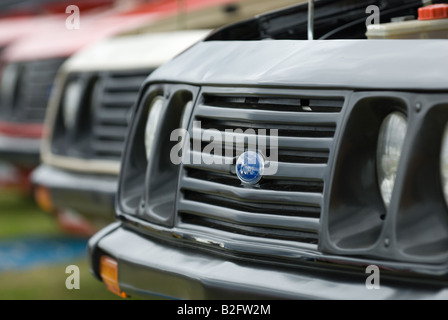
x,y
71,102
444,163
390,143
154,113
97,87
9,81
186,114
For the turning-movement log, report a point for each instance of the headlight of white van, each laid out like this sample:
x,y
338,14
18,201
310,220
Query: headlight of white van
x,y
390,143
71,102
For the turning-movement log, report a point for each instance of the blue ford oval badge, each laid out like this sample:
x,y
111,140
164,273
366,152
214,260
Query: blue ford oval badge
x,y
249,167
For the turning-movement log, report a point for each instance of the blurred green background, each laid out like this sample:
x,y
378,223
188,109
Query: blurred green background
x,y
20,217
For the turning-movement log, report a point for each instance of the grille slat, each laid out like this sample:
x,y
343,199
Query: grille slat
x,y
306,239
264,116
124,84
245,218
114,117
283,129
118,99
284,205
110,132
285,170
275,104
252,195
107,148
216,164
302,171
284,142
305,186
290,149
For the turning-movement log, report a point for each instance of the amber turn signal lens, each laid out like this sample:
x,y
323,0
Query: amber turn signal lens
x,y
109,274
43,199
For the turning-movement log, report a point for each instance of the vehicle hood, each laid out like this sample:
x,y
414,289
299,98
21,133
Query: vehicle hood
x,y
132,52
354,64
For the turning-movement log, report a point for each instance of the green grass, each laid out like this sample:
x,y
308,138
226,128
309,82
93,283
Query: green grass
x,y
19,216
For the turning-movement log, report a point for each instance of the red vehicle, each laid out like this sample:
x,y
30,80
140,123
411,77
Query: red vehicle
x,y
13,30
26,8
20,20
29,67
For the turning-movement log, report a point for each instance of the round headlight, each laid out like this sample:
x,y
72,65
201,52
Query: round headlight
x,y
444,163
155,111
71,102
390,143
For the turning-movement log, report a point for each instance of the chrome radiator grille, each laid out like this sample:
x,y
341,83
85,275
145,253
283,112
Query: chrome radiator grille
x,y
286,205
34,86
102,117
110,116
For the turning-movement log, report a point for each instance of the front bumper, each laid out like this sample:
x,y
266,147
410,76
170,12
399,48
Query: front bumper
x,y
20,151
92,196
147,267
